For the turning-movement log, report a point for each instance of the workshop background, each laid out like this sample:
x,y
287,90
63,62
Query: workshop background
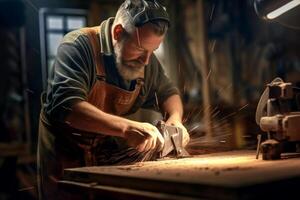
x,y
219,53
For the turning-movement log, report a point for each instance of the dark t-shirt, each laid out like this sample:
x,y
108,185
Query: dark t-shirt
x,y
74,74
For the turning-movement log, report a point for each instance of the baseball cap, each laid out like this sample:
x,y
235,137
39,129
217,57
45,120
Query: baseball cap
x,y
144,11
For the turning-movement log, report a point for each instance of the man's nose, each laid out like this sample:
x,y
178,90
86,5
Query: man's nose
x,y
146,57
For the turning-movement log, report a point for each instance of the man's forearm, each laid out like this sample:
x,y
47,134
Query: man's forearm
x,y
86,117
173,108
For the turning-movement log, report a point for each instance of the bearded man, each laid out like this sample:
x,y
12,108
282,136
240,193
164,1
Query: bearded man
x,y
100,75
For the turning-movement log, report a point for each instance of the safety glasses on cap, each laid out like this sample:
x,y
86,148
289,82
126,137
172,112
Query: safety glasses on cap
x,y
147,11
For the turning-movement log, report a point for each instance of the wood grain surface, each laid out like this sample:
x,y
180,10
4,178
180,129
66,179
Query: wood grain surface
x,y
232,175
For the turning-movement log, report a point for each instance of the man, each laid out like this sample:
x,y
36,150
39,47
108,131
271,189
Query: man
x,y
100,75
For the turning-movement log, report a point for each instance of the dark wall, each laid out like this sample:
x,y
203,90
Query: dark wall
x,y
11,86
33,52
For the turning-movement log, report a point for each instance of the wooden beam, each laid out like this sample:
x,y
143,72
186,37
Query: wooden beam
x,y
204,66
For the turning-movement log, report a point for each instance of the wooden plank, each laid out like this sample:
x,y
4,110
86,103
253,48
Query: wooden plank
x,y
123,193
227,175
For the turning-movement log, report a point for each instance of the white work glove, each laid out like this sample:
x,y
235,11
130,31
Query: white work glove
x,y
144,137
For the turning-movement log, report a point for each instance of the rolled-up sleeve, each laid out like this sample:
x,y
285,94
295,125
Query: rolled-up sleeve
x,y
71,78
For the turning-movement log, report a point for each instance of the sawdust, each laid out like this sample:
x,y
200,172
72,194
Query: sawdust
x,y
128,168
158,172
236,168
180,168
218,170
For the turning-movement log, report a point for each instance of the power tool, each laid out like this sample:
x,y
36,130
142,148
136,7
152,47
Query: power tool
x,y
278,114
173,137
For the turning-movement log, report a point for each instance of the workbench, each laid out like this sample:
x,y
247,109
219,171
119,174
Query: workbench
x,y
226,175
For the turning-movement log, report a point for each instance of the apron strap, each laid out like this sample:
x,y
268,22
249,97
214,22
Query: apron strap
x,y
86,143
140,81
93,35
89,156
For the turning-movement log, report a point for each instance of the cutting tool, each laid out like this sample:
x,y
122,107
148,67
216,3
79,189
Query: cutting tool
x,y
173,137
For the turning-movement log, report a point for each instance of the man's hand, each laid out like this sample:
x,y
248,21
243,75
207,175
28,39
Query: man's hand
x,y
186,136
144,137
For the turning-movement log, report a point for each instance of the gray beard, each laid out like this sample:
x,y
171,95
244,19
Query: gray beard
x,y
128,73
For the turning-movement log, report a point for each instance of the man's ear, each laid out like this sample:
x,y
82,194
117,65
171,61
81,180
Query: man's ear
x,y
118,31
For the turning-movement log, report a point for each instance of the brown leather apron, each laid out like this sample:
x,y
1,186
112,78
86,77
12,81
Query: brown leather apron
x,y
107,97
63,147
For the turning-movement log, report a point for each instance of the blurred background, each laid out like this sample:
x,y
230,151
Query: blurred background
x,y
220,54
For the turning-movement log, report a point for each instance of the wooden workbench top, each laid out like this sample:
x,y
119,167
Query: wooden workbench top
x,y
227,171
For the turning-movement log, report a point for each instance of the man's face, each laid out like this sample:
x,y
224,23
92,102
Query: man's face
x,y
133,53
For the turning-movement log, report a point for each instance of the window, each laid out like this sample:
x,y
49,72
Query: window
x,y
54,24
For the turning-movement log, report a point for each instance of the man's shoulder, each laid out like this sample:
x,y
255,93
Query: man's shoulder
x,y
76,35
72,36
